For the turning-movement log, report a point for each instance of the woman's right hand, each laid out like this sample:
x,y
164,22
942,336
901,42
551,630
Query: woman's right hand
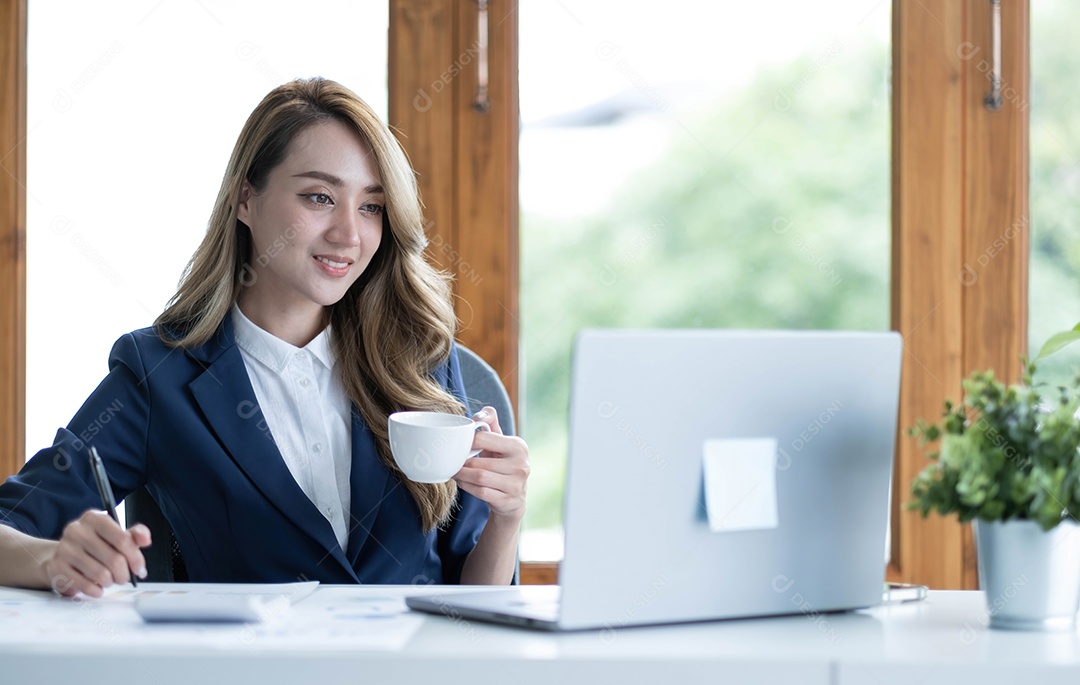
x,y
93,553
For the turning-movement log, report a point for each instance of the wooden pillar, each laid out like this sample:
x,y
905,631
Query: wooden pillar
x,y
960,239
466,158
12,235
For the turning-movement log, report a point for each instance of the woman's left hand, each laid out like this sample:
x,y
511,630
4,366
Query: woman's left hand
x,y
498,474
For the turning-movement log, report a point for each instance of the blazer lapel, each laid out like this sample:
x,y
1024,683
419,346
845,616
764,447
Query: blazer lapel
x,y
368,481
224,393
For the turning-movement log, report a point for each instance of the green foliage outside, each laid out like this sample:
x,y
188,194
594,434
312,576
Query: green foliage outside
x,y
1005,453
760,217
1055,184
772,211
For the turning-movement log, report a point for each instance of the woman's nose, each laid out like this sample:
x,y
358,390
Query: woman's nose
x,y
346,229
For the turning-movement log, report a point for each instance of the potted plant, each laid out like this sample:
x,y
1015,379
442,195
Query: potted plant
x,y
1008,458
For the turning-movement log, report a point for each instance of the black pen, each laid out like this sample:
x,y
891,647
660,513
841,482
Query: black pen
x,y
105,490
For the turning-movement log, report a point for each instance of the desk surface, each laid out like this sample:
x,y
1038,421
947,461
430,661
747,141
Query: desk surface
x,y
941,640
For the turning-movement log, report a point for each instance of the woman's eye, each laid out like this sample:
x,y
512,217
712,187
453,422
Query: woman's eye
x,y
320,198
375,210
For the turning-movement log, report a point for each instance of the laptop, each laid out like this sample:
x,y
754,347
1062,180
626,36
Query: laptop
x,y
716,474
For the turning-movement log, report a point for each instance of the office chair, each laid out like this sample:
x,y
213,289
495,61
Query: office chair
x,y
165,563
484,387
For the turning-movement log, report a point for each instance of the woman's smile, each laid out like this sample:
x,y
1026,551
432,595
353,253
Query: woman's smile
x,y
335,266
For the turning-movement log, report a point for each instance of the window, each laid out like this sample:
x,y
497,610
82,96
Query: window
x,y
133,109
1055,183
726,171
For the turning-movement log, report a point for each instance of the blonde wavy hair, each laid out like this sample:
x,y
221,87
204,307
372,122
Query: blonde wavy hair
x,y
392,328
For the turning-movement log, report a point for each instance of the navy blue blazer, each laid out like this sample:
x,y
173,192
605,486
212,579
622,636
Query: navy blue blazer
x,y
186,424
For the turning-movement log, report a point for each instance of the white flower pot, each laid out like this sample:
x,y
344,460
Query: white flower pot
x,y
1031,577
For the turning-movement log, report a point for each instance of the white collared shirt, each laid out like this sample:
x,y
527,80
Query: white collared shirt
x,y
307,412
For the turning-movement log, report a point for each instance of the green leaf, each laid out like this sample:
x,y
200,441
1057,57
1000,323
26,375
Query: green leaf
x,y
1058,341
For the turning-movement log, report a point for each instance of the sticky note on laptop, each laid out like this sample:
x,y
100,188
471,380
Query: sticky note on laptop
x,y
740,483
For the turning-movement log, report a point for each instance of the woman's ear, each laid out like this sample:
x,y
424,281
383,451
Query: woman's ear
x,y
243,207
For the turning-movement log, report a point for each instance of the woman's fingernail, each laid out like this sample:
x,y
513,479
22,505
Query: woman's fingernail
x,y
480,415
141,572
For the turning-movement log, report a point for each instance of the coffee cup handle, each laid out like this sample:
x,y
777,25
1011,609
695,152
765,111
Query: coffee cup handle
x,y
480,426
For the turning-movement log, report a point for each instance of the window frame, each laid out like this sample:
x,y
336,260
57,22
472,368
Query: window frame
x,y
12,236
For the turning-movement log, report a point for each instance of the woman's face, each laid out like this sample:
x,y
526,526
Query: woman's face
x,y
316,224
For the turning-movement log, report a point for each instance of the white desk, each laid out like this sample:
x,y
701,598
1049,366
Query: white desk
x,y
941,640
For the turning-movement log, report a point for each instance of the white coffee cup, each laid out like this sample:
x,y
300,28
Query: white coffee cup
x,y
430,447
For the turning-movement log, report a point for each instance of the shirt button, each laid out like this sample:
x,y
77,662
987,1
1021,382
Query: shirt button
x,y
317,447
329,511
304,383
301,355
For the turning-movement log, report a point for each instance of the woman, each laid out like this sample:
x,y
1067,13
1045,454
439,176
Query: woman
x,y
255,411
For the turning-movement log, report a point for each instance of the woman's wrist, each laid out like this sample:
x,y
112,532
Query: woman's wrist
x,y
492,561
44,578
506,521
23,559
